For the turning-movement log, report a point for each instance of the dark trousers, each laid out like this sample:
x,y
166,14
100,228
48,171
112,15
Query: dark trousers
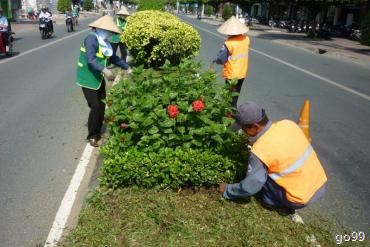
x,y
5,38
273,196
122,49
94,100
236,89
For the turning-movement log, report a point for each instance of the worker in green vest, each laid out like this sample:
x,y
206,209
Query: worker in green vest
x,y
115,40
96,54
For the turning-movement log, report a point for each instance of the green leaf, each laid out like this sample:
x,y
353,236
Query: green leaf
x,y
153,130
217,138
147,122
181,130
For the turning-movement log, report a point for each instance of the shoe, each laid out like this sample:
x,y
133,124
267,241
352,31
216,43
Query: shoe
x,y
94,142
285,211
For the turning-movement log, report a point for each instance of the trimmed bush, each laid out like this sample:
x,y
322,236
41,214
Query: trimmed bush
x,y
227,12
63,5
168,129
365,30
151,5
152,37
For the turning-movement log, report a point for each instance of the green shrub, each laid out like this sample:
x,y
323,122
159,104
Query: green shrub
x,y
88,5
227,12
365,30
152,37
209,10
151,5
63,5
151,146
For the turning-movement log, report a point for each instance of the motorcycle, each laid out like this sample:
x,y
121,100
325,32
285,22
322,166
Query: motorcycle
x,y
69,23
6,37
44,27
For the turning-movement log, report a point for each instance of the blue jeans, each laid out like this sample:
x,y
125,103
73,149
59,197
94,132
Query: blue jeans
x,y
273,196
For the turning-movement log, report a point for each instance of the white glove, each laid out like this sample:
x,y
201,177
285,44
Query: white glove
x,y
108,74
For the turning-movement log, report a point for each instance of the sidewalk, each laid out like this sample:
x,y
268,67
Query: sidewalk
x,y
23,25
339,48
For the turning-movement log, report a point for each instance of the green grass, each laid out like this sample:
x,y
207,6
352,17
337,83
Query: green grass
x,y
139,217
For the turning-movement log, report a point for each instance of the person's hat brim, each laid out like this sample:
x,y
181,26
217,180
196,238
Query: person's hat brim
x,y
106,23
233,27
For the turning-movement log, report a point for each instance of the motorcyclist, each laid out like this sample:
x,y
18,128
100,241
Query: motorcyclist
x,y
75,14
47,15
69,15
4,25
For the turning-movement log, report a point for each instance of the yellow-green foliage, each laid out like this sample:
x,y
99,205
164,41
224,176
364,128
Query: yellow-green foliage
x,y
155,36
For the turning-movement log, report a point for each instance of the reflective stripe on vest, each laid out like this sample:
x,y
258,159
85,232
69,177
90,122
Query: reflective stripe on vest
x,y
99,54
294,166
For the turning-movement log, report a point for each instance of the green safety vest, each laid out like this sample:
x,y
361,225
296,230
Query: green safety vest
x,y
85,76
121,24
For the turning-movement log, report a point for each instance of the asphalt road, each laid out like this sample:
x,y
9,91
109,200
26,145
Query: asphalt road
x,y
43,116
42,132
340,128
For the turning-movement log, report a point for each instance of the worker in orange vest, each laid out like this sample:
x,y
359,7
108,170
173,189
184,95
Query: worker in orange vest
x,y
284,172
234,54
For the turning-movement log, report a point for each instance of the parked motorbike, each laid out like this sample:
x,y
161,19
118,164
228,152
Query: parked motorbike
x,y
69,23
6,41
6,49
355,34
45,28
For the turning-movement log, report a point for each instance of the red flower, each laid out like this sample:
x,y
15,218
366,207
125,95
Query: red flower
x,y
172,111
198,105
123,125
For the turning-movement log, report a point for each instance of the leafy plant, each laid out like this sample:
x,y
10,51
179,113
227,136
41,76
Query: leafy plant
x,y
88,5
168,128
365,30
153,37
209,10
63,5
151,5
227,12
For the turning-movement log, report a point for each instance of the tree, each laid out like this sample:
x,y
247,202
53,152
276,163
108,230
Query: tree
x,y
365,30
209,10
63,5
227,13
88,5
151,5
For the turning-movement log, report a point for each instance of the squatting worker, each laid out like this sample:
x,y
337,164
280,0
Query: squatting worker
x,y
95,54
115,40
234,53
284,172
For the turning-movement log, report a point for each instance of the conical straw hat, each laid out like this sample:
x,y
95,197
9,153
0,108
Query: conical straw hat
x,y
233,27
106,22
123,11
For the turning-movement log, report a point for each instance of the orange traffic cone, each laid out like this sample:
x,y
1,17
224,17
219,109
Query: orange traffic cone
x,y
304,119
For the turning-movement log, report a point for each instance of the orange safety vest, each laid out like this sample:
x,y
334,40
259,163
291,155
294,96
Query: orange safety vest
x,y
237,64
291,161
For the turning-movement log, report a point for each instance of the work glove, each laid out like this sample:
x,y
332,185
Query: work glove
x,y
129,71
108,74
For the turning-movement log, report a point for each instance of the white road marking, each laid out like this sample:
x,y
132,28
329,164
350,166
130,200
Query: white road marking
x,y
69,198
43,46
333,83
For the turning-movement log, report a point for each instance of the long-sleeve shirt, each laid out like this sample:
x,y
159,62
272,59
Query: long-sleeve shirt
x,y
222,55
4,24
256,176
91,45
